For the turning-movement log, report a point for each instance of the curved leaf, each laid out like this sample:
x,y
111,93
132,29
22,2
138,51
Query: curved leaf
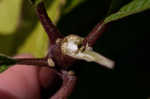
x,y
133,7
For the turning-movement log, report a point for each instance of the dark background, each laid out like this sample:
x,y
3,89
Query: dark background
x,y
126,41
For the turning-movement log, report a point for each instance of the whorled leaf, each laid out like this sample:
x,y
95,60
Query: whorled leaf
x,y
135,6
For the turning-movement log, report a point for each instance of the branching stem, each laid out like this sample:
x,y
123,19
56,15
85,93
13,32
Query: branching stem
x,y
49,27
97,31
69,82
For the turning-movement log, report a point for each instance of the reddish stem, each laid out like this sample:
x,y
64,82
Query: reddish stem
x,y
95,34
49,27
69,82
32,61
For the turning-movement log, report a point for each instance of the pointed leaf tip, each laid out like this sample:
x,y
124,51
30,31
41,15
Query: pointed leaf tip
x,y
133,7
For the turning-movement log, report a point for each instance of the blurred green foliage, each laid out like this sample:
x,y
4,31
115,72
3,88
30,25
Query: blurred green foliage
x,y
9,15
3,68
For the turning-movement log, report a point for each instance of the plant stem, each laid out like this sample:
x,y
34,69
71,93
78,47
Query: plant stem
x,y
96,32
32,61
69,82
49,27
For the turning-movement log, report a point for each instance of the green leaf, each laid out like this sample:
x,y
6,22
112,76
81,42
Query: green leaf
x,y
36,43
7,47
3,68
9,19
135,6
9,15
114,5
